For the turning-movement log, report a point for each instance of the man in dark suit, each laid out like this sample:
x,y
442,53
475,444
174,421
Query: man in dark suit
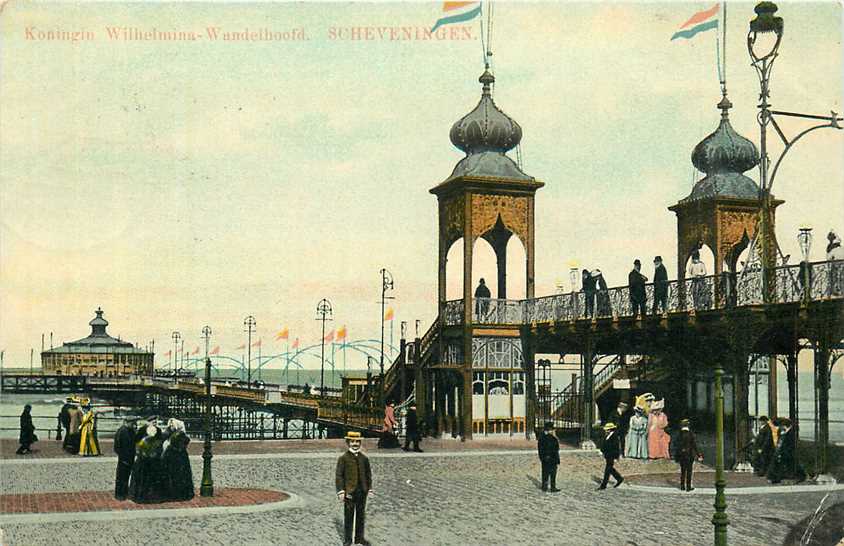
x,y
621,417
482,296
611,448
124,446
686,454
353,480
660,286
785,463
763,447
411,425
549,457
636,282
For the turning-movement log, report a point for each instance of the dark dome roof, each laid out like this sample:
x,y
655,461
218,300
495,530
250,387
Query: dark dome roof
x,y
486,128
724,155
725,150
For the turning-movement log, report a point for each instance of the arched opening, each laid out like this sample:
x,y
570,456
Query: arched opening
x,y
454,271
484,266
516,269
707,258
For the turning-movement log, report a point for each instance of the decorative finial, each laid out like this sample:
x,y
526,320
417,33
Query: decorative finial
x,y
725,103
487,79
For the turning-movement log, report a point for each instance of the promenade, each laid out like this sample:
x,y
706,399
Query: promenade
x,y
483,492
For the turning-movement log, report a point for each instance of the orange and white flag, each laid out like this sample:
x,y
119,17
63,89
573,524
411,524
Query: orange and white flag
x,y
329,336
257,343
284,333
341,333
389,314
295,344
215,351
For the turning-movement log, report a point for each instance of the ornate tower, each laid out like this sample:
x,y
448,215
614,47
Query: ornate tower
x,y
488,196
723,209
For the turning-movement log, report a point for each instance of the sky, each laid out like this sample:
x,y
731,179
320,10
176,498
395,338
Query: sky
x,y
178,184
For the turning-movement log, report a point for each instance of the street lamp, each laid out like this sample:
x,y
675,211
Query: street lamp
x,y
719,519
386,284
325,312
250,323
206,489
176,337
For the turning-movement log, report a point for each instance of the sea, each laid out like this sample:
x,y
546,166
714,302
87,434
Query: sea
x,y
46,408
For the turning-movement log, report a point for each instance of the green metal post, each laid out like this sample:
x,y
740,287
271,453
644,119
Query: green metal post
x,y
207,487
719,519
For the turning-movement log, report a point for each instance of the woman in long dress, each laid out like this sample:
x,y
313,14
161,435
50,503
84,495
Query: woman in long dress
x,y
636,443
88,445
388,436
27,435
658,439
148,482
177,464
602,296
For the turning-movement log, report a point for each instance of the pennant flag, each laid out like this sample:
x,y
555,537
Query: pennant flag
x,y
241,347
168,353
389,314
195,351
295,344
283,334
457,12
699,22
215,351
257,343
341,333
329,336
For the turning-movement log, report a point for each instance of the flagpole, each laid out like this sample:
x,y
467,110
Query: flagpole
x,y
259,359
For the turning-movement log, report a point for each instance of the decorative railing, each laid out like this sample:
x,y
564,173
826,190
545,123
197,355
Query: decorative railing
x,y
787,284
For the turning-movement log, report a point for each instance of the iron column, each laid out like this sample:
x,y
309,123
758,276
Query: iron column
x,y
386,283
206,489
719,519
325,313
249,322
176,337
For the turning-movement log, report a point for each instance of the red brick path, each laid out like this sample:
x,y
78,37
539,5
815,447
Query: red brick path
x,y
100,501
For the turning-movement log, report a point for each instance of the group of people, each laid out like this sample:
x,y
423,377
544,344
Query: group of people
x,y
78,418
412,434
643,433
597,294
152,462
775,451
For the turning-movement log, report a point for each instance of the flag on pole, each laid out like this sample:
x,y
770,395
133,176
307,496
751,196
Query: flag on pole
x,y
284,333
457,12
215,351
699,22
389,314
295,344
168,353
257,343
341,333
196,351
241,347
329,336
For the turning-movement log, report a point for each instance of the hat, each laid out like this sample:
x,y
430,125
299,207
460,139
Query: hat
x,y
352,435
69,399
610,426
764,418
637,262
622,404
549,425
684,422
657,258
596,273
658,404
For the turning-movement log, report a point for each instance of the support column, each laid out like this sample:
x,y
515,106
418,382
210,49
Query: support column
x,y
773,404
741,393
403,370
501,261
530,258
791,375
588,379
822,417
529,355
465,414
440,409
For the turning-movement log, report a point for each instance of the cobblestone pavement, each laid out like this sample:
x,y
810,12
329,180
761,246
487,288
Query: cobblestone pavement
x,y
98,501
430,499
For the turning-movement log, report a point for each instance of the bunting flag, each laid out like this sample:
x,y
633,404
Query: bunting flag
x,y
329,336
699,22
168,353
241,347
295,344
389,314
341,333
284,333
196,351
457,12
257,343
215,351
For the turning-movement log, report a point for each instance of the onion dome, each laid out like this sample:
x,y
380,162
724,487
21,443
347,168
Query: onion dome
x,y
486,128
724,155
98,324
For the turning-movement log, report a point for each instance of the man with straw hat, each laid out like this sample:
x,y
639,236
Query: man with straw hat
x,y
353,480
611,448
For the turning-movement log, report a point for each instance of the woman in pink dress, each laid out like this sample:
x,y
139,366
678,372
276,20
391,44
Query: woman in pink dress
x,y
658,439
